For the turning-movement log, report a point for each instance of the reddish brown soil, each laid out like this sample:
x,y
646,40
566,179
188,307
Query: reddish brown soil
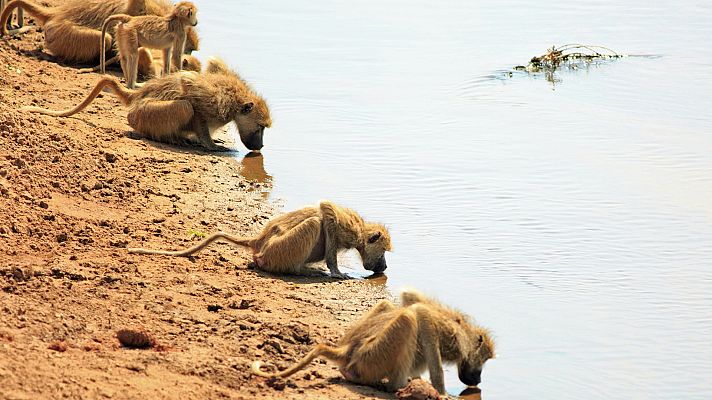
x,y
74,192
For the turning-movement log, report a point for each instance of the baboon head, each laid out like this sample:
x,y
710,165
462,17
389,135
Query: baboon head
x,y
187,12
192,42
376,241
469,370
251,113
251,121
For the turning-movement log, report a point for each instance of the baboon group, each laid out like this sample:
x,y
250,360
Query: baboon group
x,y
179,102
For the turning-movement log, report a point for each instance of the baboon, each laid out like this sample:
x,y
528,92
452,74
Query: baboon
x,y
288,242
391,344
73,29
149,31
188,106
150,63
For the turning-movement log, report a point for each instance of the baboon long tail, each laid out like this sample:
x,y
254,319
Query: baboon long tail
x,y
241,241
332,353
102,41
111,83
41,13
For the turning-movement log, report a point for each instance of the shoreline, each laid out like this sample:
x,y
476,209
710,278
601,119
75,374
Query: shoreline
x,y
75,193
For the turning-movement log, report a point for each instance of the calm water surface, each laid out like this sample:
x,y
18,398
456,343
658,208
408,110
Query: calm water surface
x,y
573,217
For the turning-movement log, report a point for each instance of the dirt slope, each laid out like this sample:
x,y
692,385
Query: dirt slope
x,y
74,192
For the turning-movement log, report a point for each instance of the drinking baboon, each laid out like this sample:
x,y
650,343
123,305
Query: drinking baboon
x,y
288,242
150,31
73,29
188,106
391,344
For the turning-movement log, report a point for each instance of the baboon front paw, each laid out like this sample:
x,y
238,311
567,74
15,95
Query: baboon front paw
x,y
339,275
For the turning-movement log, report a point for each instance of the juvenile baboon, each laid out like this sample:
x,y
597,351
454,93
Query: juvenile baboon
x,y
188,106
288,242
149,31
73,29
391,344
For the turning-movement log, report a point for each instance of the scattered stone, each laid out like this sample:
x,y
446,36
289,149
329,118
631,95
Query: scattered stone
x,y
60,346
158,220
43,204
274,344
135,338
62,237
244,304
110,157
276,383
6,337
214,307
418,389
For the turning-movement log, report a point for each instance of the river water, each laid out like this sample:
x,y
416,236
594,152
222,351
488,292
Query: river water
x,y
571,215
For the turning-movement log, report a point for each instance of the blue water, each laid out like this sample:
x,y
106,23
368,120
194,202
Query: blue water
x,y
572,216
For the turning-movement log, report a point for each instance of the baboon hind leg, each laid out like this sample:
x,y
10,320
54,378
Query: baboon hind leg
x,y
288,252
161,120
395,346
73,42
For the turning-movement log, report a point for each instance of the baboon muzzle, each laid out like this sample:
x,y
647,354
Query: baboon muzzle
x,y
380,265
470,378
253,141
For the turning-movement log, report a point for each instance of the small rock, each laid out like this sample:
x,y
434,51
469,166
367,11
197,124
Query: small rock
x,y
214,307
110,158
43,204
418,389
60,346
135,338
244,304
62,237
276,383
158,220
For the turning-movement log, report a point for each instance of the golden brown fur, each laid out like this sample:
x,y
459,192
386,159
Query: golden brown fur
x,y
291,241
149,31
188,106
391,344
73,29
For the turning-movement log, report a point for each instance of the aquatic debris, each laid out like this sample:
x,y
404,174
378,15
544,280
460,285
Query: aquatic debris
x,y
570,55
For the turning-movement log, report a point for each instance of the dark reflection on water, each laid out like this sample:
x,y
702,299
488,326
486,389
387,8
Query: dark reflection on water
x,y
575,223
471,393
253,169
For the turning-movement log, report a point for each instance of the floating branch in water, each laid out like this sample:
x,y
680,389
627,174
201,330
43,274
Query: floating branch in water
x,y
568,54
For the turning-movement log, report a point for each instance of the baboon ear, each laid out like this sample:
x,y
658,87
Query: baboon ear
x,y
374,238
247,107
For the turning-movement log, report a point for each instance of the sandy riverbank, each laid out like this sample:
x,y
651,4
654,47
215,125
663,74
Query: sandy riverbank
x,y
74,193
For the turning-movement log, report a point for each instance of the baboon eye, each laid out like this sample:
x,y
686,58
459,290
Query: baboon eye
x,y
481,339
374,238
247,107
